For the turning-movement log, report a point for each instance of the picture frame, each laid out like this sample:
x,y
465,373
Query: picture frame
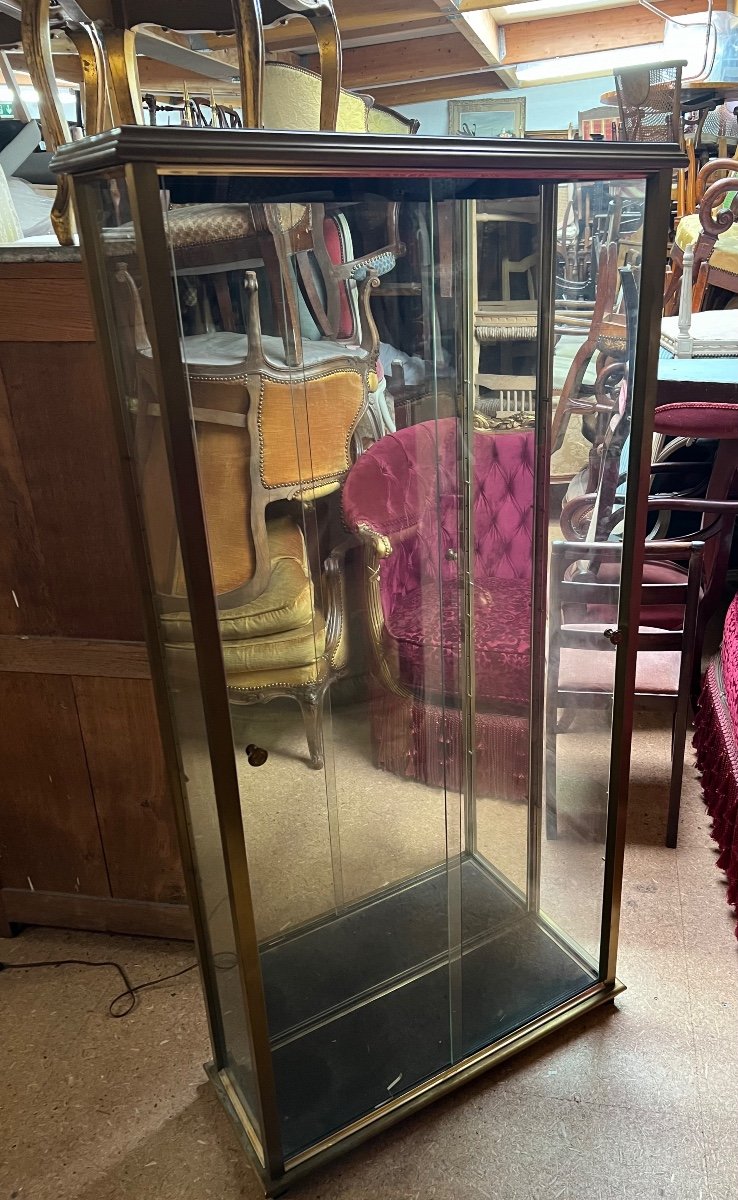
x,y
500,117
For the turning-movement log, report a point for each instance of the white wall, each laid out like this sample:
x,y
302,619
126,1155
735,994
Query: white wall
x,y
548,106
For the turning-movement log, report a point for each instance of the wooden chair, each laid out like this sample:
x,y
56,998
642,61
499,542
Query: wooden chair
x,y
649,103
104,34
675,603
712,232
581,659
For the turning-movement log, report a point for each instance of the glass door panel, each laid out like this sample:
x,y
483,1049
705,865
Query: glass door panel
x,y
333,537
596,313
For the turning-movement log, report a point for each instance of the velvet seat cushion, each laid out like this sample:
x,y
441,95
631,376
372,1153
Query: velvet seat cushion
x,y
279,628
697,420
424,629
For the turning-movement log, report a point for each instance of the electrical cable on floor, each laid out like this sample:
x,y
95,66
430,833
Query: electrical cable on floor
x,y
130,992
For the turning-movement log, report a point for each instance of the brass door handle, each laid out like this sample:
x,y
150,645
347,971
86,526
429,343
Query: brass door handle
x,y
613,635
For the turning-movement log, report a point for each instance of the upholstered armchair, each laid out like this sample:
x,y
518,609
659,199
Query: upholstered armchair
x,y
403,500
266,433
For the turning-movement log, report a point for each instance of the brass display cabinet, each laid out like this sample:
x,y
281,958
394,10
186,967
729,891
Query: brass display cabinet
x,y
354,379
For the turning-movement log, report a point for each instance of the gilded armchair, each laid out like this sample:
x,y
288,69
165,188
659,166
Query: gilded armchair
x,y
268,432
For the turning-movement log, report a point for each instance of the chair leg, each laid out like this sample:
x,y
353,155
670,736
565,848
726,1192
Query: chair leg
x,y
325,27
678,744
36,38
311,706
123,83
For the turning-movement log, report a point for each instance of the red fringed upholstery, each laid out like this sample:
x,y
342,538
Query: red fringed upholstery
x,y
716,744
423,741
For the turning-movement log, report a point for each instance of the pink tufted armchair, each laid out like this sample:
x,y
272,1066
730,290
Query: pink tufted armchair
x,y
403,498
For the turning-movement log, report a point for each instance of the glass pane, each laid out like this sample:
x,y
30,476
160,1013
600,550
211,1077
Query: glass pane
x,y
596,312
328,460
136,373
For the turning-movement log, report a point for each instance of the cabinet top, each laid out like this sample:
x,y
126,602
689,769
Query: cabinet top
x,y
184,150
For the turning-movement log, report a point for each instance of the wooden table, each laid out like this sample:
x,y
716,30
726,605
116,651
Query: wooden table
x,y
706,379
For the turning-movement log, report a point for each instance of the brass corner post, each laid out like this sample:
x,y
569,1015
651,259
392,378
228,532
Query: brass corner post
x,y
643,402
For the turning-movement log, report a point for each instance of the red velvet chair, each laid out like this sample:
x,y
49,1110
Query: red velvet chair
x,y
403,499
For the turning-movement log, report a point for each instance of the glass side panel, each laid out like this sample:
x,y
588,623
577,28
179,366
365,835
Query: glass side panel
x,y
596,310
362,373
137,383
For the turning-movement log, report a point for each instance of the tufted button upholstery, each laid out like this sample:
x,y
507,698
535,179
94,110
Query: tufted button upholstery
x,y
408,486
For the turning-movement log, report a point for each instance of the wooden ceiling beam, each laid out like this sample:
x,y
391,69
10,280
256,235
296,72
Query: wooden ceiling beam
x,y
154,76
358,19
406,62
479,29
583,33
448,88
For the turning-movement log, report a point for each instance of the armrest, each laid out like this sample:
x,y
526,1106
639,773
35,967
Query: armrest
x,y
378,547
712,168
716,222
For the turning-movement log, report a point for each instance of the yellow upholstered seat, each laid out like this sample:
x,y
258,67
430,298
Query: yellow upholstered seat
x,y
725,255
285,604
292,101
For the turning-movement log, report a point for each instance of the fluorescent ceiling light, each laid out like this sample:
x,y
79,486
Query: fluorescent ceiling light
x,y
510,13
601,62
539,6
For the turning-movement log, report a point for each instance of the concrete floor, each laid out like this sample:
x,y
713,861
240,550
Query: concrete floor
x,y
635,1103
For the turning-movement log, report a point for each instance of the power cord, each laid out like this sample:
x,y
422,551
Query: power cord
x,y
130,992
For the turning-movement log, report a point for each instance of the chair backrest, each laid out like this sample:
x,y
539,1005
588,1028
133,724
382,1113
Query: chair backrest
x,y
648,98
408,487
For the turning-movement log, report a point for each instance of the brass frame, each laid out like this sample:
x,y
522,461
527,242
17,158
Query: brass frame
x,y
141,155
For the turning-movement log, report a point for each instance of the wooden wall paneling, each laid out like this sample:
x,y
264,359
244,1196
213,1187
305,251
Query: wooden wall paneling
x,y
66,439
53,300
25,603
134,809
74,656
101,913
49,834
